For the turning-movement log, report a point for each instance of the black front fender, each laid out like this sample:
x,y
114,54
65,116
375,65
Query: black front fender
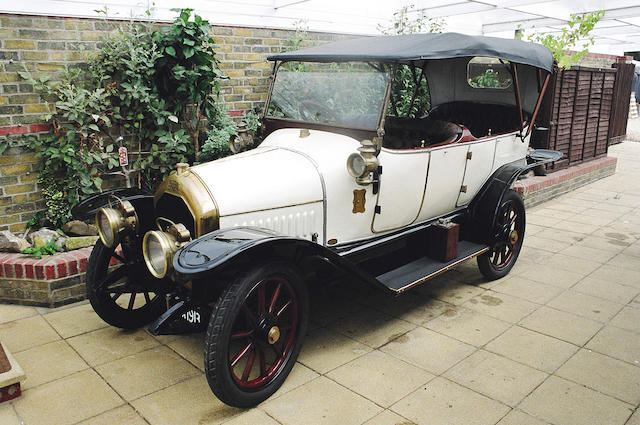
x,y
221,248
142,201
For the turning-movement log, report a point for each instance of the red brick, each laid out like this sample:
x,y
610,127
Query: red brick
x,y
28,270
50,271
14,129
72,266
19,270
38,128
8,270
237,113
82,265
39,269
62,269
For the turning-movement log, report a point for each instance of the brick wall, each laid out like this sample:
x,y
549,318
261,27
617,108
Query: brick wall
x,y
48,45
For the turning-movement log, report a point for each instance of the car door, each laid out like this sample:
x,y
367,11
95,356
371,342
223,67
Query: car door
x,y
402,185
478,167
444,180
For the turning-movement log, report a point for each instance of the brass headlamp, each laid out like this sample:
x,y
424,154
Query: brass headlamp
x,y
361,165
112,221
159,247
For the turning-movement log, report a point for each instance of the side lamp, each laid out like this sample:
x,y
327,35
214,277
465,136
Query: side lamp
x,y
361,165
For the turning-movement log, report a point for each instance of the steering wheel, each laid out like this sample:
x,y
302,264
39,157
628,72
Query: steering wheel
x,y
311,110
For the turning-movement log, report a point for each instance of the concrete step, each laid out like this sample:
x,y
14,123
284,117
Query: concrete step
x,y
11,374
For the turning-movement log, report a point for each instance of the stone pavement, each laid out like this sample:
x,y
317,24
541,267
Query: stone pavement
x,y
557,341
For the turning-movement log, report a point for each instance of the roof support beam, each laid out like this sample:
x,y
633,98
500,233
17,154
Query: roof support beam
x,y
279,4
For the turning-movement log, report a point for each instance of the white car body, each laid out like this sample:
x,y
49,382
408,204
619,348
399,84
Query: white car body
x,y
299,186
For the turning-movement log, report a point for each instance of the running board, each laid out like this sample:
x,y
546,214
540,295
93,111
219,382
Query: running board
x,y
421,270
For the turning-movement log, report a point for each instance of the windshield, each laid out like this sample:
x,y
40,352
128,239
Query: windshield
x,y
349,94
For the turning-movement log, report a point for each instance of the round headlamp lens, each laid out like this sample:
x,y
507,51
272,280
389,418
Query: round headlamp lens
x,y
157,253
107,221
356,165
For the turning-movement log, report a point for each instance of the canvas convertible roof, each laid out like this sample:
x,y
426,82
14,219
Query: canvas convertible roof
x,y
417,47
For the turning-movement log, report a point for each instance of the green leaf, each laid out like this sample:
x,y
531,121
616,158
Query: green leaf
x,y
170,51
93,127
188,52
172,118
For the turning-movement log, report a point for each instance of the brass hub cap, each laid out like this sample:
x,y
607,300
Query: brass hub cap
x,y
274,335
513,237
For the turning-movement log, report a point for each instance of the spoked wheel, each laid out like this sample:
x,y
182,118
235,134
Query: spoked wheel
x,y
255,334
120,290
508,237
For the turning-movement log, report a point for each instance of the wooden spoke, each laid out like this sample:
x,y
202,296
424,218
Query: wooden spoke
x,y
114,276
132,301
283,308
241,354
274,297
263,363
242,334
248,366
117,257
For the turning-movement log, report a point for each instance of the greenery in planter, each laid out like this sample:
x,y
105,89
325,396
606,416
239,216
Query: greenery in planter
x,y
217,143
154,88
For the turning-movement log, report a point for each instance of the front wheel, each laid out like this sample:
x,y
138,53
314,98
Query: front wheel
x,y
255,334
508,237
119,288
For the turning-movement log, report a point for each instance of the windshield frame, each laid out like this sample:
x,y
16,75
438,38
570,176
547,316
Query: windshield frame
x,y
383,68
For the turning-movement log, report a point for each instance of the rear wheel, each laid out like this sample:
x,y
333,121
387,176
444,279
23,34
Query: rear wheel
x,y
508,237
120,289
255,334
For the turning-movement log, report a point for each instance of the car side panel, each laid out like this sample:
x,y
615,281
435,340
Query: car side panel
x,y
402,185
446,170
302,221
478,168
509,148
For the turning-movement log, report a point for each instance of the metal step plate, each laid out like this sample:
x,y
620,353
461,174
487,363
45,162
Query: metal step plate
x,y
425,268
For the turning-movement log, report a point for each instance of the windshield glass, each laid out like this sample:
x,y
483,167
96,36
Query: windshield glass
x,y
349,94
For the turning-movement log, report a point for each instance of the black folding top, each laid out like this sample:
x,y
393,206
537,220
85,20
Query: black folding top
x,y
416,47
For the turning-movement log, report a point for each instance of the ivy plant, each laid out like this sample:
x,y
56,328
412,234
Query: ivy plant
x,y
149,90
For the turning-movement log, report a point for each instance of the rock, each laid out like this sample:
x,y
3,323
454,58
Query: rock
x,y
60,243
79,228
44,233
40,241
78,242
12,243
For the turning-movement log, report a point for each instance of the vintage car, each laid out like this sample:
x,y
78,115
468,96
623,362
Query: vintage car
x,y
353,176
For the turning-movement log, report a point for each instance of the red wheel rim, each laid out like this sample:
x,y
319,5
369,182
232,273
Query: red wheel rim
x,y
269,311
509,236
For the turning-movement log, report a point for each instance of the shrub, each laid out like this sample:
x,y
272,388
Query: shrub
x,y
152,87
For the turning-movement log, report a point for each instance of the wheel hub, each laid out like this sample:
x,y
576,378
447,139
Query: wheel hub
x,y
513,237
274,335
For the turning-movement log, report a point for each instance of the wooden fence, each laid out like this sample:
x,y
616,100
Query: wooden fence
x,y
621,97
582,109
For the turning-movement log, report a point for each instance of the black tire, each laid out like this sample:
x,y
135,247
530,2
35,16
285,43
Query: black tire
x,y
113,292
237,338
508,237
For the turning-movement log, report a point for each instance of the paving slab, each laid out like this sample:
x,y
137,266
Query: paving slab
x,y
555,342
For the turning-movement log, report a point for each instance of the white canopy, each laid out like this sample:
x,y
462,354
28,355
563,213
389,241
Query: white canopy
x,y
617,32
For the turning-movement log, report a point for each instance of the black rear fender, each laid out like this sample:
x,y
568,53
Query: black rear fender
x,y
483,209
